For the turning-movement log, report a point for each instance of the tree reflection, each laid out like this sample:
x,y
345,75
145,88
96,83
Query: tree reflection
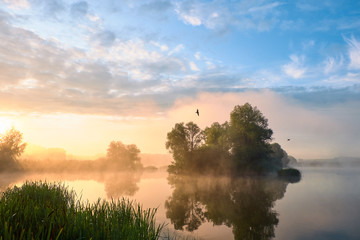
x,y
244,203
119,184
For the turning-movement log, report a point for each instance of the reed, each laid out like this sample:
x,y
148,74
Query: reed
x,y
41,210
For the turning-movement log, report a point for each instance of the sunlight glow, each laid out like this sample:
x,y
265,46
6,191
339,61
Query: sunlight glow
x,y
5,124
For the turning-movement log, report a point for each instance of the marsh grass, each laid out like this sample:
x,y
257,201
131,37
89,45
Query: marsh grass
x,y
41,210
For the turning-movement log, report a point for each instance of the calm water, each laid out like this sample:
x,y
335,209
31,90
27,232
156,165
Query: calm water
x,y
325,204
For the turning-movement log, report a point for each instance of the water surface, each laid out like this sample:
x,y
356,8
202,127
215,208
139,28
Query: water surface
x,y
323,205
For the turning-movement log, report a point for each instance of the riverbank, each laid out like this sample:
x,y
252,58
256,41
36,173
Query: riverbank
x,y
41,210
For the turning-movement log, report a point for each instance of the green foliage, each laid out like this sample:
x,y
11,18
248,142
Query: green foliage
x,y
11,147
218,136
250,136
183,141
50,211
240,146
121,156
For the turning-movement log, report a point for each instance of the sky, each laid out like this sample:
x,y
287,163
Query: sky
x,y
80,74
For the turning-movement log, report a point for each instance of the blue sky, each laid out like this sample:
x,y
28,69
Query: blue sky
x,y
137,59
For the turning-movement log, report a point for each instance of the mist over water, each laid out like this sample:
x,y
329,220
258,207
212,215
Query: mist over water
x,y
323,205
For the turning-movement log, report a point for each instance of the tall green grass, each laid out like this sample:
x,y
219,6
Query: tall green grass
x,y
41,210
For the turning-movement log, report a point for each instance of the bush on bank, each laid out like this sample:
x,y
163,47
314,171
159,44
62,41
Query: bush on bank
x,y
41,210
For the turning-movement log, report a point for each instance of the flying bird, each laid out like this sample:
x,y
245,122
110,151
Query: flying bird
x,y
197,112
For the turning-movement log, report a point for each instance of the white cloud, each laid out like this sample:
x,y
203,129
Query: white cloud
x,y
295,68
197,55
177,49
163,47
139,59
46,76
221,16
308,44
354,52
193,66
193,20
215,15
93,17
210,65
332,64
265,7
18,3
29,83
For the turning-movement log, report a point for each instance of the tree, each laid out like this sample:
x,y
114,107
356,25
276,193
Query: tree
x,y
183,141
11,147
278,157
218,136
240,146
249,136
123,156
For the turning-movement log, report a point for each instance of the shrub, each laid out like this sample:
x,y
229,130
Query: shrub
x,y
41,210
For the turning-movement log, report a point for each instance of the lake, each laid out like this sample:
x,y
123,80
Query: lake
x,y
325,204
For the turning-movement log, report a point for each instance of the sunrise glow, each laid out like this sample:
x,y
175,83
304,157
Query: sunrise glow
x,y
77,75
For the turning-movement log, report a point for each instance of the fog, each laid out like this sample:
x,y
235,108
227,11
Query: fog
x,y
54,165
315,131
209,207
321,130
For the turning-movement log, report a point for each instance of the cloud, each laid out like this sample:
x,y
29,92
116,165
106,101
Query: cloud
x,y
156,6
162,47
115,76
295,68
17,3
264,8
106,37
110,71
332,65
177,49
193,66
197,55
308,44
79,9
36,73
221,16
354,52
193,20
316,131
54,8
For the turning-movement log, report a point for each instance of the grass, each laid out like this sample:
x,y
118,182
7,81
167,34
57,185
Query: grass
x,y
41,210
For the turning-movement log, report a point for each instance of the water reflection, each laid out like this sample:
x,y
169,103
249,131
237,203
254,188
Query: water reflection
x,y
120,184
116,183
245,204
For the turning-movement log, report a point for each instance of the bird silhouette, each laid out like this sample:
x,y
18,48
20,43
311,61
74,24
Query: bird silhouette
x,y
197,112
288,139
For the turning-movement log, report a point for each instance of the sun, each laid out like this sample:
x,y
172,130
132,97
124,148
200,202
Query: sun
x,y
5,124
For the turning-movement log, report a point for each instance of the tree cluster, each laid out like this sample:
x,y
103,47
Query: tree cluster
x,y
11,147
239,146
123,157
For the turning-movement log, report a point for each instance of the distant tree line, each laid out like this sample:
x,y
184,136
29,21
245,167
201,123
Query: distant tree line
x,y
119,156
239,146
122,156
